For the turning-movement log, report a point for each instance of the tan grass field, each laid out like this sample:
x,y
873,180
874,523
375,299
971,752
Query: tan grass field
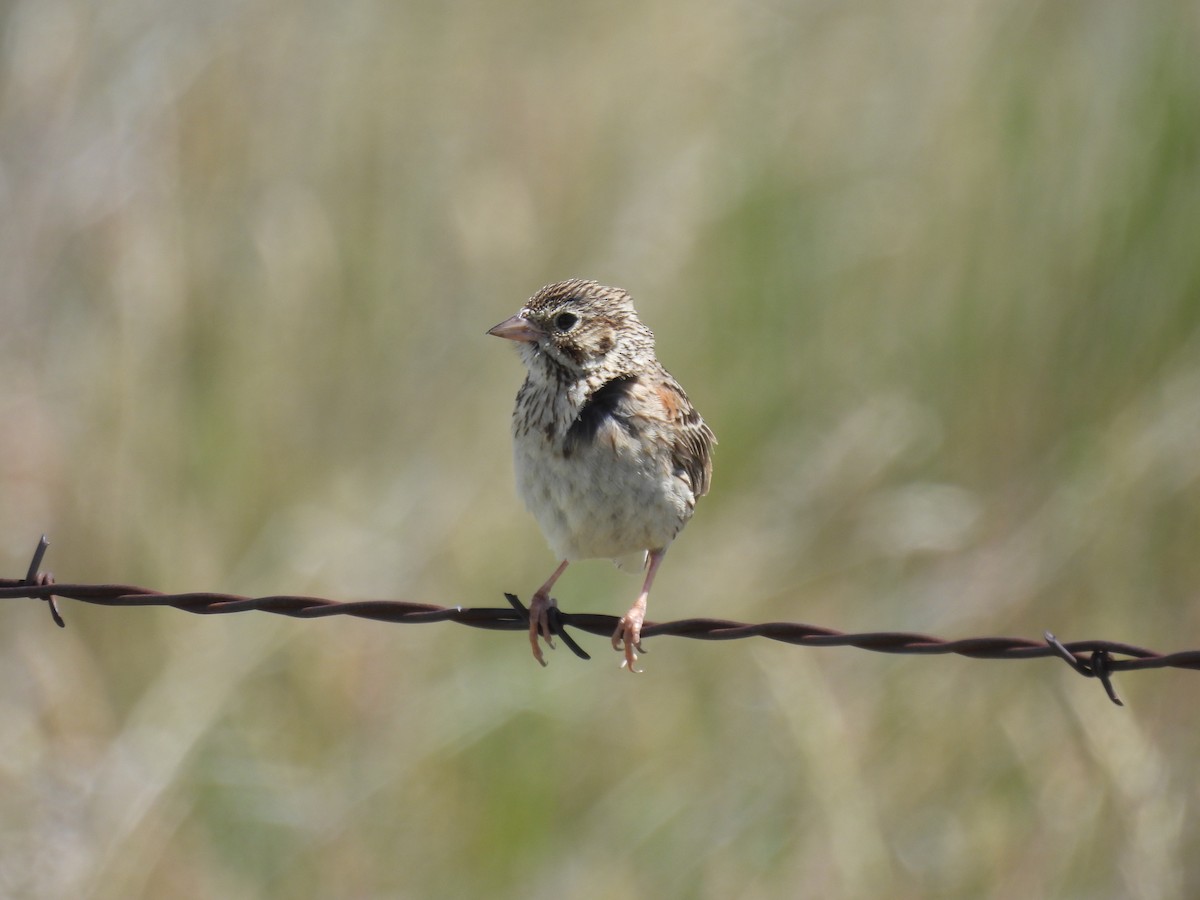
x,y
930,270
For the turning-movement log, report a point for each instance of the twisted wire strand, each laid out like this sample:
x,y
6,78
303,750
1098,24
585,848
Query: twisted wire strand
x,y
1090,658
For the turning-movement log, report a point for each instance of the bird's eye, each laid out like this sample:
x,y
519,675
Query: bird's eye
x,y
565,321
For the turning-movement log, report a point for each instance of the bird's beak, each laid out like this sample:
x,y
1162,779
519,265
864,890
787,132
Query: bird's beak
x,y
517,329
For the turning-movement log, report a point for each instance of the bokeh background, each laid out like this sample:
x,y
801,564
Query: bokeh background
x,y
932,272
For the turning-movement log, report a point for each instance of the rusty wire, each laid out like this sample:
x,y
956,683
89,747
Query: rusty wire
x,y
1092,659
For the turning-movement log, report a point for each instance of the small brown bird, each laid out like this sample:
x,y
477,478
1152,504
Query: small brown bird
x,y
610,454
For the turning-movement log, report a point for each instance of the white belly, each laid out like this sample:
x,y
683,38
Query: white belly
x,y
603,501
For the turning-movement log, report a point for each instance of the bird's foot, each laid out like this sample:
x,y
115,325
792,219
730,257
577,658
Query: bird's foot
x,y
539,624
628,636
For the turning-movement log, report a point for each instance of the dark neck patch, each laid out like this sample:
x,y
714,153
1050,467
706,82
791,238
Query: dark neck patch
x,y
607,404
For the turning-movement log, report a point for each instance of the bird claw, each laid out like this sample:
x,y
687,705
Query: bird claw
x,y
628,638
539,625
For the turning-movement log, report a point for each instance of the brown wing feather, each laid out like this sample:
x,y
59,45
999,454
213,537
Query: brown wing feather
x,y
691,448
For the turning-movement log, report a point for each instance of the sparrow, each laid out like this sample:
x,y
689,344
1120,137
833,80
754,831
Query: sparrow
x,y
610,455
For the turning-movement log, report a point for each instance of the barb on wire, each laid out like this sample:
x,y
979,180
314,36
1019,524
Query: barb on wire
x,y
41,579
1100,664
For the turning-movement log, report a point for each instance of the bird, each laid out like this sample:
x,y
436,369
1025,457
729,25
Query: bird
x,y
610,454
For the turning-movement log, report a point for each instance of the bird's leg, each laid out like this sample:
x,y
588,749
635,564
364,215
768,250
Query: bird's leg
x,y
539,615
628,635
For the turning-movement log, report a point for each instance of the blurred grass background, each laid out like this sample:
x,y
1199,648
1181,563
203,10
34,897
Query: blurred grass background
x,y
930,270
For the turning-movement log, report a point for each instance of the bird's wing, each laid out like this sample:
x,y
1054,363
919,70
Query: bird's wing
x,y
691,439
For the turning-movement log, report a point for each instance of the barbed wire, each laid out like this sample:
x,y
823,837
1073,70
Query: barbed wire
x,y
1090,658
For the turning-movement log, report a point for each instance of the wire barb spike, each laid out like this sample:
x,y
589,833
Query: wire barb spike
x,y
41,579
1099,666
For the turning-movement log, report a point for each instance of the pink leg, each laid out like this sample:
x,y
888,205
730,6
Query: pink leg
x,y
629,630
539,614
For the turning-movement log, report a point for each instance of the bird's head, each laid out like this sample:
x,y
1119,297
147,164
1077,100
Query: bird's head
x,y
576,327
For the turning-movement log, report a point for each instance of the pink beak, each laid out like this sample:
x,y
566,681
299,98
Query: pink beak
x,y
517,329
